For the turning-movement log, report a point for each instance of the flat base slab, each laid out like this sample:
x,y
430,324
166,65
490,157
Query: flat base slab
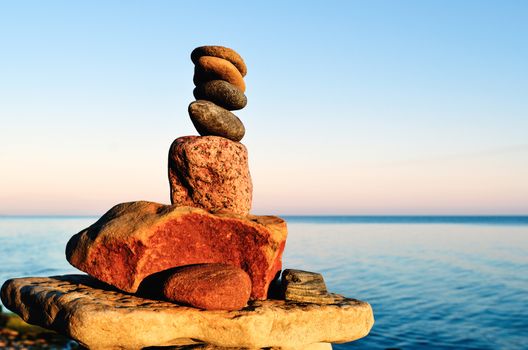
x,y
100,317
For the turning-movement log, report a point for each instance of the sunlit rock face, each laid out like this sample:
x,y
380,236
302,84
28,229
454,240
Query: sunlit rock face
x,y
137,239
211,173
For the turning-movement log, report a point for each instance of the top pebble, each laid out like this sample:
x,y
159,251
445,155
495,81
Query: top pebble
x,y
221,52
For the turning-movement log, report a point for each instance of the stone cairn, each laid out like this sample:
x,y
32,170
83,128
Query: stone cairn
x,y
205,251
219,78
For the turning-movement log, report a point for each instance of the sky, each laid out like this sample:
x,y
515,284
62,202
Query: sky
x,y
354,107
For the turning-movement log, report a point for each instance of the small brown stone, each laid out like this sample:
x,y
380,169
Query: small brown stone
x,y
222,93
209,286
212,120
222,52
214,68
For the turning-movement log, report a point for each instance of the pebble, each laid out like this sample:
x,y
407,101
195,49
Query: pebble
x,y
306,287
300,277
221,52
213,68
209,286
221,93
210,119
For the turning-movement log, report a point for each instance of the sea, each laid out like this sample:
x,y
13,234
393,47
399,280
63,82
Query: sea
x,y
434,282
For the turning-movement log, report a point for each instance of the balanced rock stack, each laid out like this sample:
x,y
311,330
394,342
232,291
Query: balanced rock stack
x,y
211,171
219,78
203,252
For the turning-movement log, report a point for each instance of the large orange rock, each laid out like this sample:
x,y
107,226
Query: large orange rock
x,y
210,172
138,239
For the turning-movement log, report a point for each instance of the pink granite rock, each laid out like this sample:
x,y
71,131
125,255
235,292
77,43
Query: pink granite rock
x,y
210,172
135,240
208,286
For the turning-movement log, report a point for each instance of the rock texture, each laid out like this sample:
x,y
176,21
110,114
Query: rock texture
x,y
101,318
222,93
214,68
212,120
306,287
137,239
208,286
210,172
221,52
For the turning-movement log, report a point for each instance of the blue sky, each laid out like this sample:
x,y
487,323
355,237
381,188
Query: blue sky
x,y
354,107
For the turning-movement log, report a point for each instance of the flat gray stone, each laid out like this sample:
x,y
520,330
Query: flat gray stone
x,y
300,277
222,93
307,287
100,317
210,119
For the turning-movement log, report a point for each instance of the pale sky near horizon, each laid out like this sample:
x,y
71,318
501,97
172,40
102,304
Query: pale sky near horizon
x,y
354,107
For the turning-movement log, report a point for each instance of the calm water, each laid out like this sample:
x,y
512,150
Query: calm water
x,y
434,283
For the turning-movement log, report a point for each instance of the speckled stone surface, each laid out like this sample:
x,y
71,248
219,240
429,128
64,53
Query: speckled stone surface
x,y
212,120
102,318
210,172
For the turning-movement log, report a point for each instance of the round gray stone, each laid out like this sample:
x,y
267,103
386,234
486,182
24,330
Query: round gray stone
x,y
210,119
221,93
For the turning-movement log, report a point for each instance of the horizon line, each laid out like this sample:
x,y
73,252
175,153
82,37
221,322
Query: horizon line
x,y
285,215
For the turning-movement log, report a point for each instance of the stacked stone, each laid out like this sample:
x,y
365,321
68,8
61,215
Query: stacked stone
x,y
219,78
205,251
306,287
